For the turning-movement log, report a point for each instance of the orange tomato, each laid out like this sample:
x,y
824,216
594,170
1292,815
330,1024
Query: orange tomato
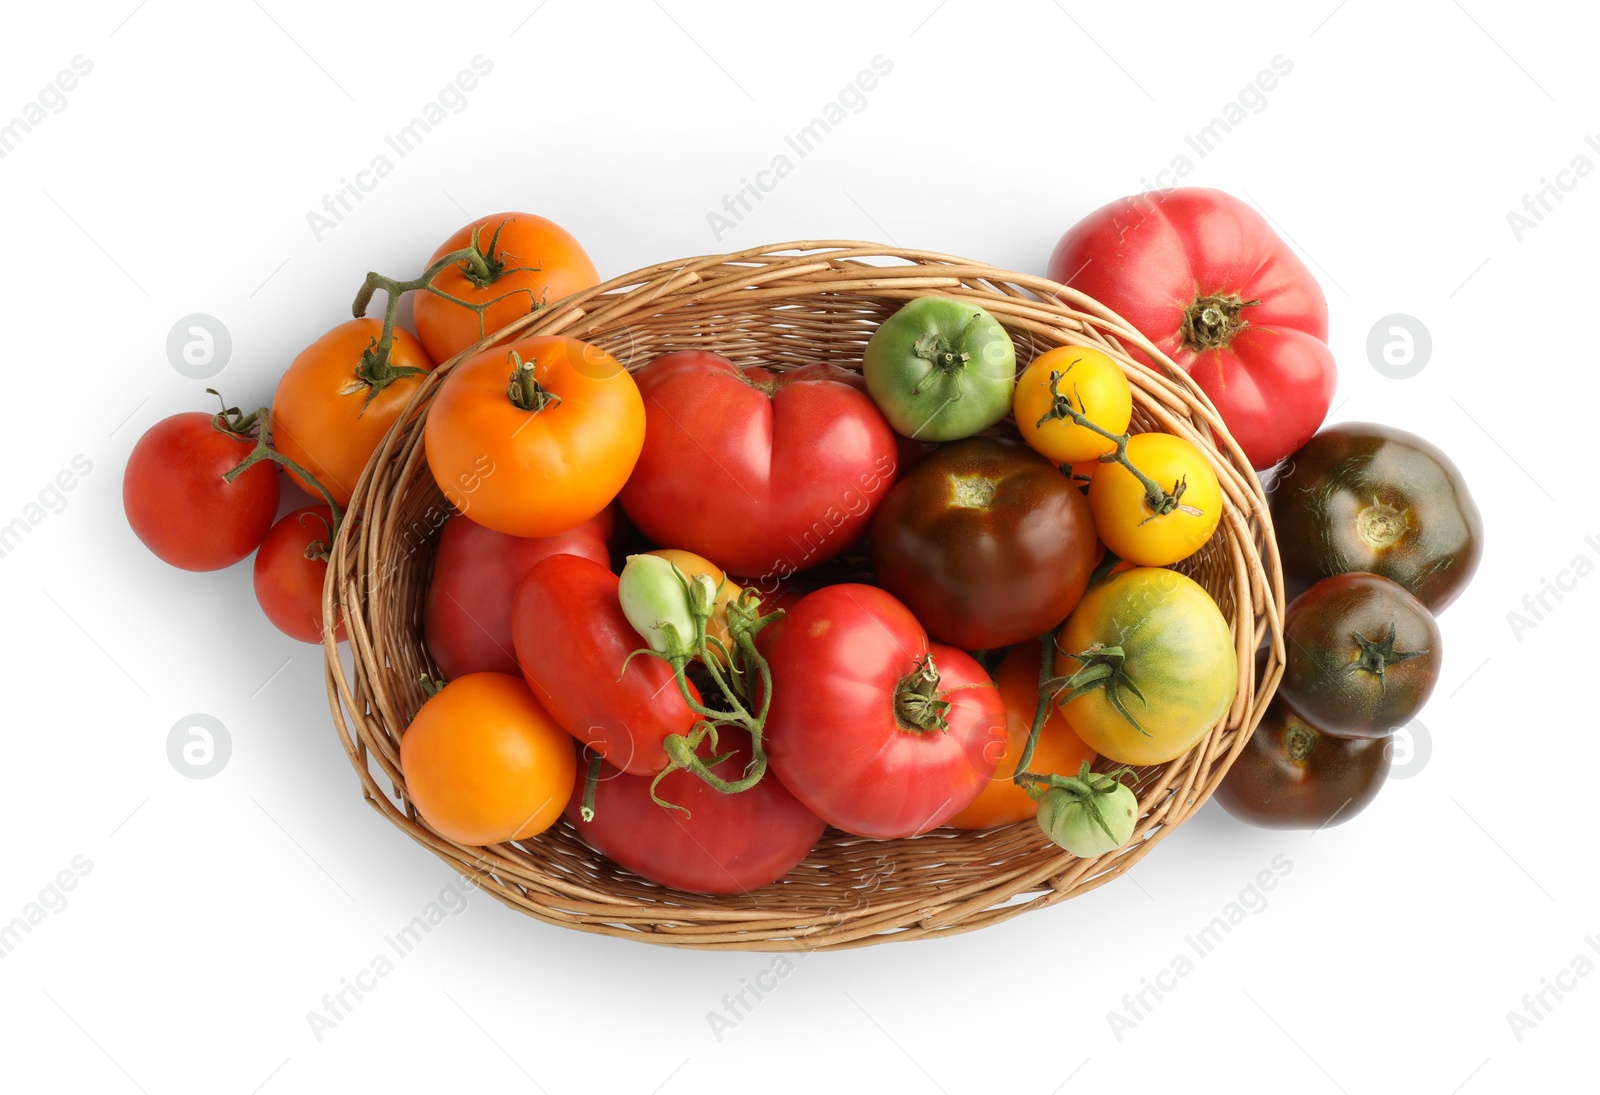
x,y
693,566
484,763
330,411
1059,750
535,437
532,261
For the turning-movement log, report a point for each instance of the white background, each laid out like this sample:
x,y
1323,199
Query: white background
x,y
218,912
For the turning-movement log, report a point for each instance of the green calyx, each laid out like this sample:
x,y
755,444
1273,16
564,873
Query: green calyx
x,y
524,390
1376,655
1101,669
1090,813
918,703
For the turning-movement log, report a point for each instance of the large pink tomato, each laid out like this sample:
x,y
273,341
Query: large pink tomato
x,y
1205,278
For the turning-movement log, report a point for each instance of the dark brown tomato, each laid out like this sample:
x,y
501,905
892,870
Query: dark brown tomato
x,y
1364,655
1364,497
987,543
1293,776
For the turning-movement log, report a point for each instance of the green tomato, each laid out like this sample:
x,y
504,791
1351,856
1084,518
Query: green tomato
x,y
941,370
1089,814
657,600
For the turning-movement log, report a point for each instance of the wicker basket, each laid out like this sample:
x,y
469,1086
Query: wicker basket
x,y
789,305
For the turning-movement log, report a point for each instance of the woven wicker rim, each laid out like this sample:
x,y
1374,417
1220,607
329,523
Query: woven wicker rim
x,y
787,305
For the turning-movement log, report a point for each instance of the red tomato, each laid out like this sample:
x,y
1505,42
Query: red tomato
x,y
288,584
1204,277
724,844
178,504
854,729
762,472
467,616
572,639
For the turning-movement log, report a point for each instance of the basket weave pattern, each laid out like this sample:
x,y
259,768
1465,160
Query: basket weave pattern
x,y
785,306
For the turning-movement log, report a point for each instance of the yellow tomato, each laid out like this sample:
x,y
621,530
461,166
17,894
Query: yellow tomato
x,y
1124,517
1093,385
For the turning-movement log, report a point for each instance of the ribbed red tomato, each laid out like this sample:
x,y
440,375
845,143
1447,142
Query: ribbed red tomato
x,y
1205,278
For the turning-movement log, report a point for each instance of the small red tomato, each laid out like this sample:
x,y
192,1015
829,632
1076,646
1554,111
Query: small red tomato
x,y
467,616
288,581
179,505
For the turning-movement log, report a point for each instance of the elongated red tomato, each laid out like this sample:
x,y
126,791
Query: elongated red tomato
x,y
880,732
724,844
1204,277
467,616
572,639
763,472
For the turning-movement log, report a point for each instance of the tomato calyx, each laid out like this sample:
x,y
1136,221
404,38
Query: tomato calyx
x,y
431,686
525,390
919,706
317,550
375,372
1212,322
940,353
1101,668
1157,499
1377,655
487,265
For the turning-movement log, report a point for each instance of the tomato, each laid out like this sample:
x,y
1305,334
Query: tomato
x,y
484,763
546,455
1364,655
1293,776
1173,665
724,843
532,262
572,641
288,581
986,541
179,505
1363,497
763,472
1059,751
858,728
940,369
1204,277
1093,385
1123,513
334,403
467,614
728,591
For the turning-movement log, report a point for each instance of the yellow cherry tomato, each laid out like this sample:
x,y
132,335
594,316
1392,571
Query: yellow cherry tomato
x,y
1094,386
693,566
1125,518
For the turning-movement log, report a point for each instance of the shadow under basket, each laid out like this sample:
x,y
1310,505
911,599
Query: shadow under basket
x,y
782,306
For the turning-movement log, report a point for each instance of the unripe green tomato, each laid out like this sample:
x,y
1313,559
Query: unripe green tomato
x,y
1069,820
655,599
940,369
